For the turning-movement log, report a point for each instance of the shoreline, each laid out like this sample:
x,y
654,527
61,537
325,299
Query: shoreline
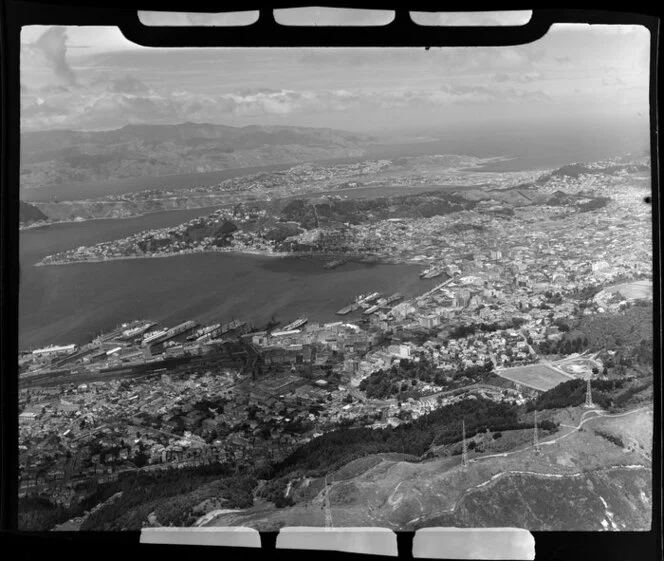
x,y
35,226
385,260
163,256
473,167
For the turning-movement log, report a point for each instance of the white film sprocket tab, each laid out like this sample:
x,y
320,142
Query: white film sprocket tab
x,y
372,541
224,537
474,543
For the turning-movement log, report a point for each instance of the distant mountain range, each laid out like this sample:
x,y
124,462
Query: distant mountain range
x,y
66,156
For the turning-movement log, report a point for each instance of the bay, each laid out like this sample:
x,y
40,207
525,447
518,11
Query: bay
x,y
63,304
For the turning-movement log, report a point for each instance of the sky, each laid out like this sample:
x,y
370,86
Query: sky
x,y
92,78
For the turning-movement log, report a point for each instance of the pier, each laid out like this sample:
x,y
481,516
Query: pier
x,y
436,288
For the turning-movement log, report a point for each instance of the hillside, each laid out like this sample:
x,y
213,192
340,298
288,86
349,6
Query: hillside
x,y
522,489
65,156
627,329
29,214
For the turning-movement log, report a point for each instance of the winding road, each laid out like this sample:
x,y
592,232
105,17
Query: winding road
x,y
596,413
584,419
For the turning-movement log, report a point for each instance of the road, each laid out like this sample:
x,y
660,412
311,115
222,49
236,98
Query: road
x,y
498,475
584,419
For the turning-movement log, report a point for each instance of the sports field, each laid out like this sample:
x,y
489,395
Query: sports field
x,y
634,290
537,376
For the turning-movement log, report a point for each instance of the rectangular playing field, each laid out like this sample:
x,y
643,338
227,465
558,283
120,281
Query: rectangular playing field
x,y
537,376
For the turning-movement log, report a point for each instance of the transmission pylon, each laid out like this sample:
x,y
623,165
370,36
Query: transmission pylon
x,y
536,443
589,395
328,509
464,453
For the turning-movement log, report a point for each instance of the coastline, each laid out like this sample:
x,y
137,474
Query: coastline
x,y
166,255
259,253
475,166
37,225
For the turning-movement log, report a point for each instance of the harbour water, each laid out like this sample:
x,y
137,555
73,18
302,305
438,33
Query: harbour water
x,y
71,303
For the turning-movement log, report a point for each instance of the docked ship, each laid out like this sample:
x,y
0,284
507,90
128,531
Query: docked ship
x,y
394,298
431,273
136,329
347,309
334,264
371,310
299,322
203,331
234,324
371,297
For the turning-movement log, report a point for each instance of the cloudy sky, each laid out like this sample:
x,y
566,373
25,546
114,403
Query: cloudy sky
x,y
92,78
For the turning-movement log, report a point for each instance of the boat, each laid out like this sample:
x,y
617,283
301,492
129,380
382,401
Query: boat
x,y
371,310
396,296
299,322
234,324
371,297
203,331
431,273
335,263
346,310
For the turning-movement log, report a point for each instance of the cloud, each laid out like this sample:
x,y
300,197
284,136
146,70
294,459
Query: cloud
x,y
563,59
525,78
531,77
612,77
113,103
480,94
492,60
50,89
127,84
52,45
613,81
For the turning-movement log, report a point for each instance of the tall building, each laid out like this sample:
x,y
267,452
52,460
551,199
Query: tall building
x,y
429,321
462,298
496,253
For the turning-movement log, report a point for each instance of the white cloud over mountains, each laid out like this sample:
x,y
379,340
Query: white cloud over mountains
x,y
110,103
62,87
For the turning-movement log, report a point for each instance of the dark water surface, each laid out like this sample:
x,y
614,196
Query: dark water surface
x,y
71,303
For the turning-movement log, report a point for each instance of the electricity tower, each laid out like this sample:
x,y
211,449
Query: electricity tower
x,y
589,395
328,509
464,453
536,443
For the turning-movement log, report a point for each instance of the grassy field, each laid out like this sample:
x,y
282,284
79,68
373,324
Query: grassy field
x,y
537,492
537,376
595,501
636,289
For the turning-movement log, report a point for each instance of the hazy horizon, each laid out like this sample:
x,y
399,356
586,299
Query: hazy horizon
x,y
83,78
